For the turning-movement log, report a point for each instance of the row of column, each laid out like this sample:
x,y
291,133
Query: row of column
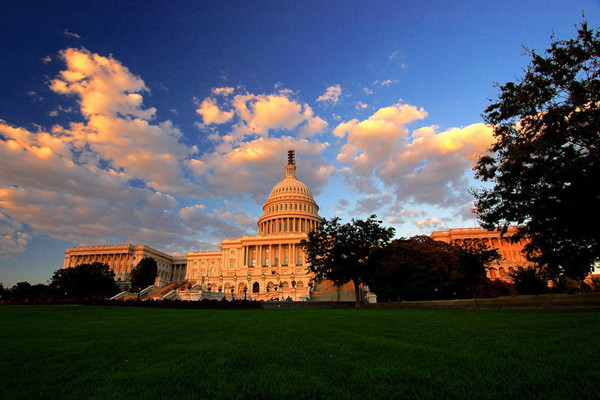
x,y
294,249
508,250
288,224
115,261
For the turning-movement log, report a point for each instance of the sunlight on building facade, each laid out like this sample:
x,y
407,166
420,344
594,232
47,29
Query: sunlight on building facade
x,y
269,265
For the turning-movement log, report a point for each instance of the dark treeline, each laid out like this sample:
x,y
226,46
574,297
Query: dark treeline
x,y
420,268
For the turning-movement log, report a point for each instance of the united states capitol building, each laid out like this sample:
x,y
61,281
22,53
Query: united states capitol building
x,y
269,265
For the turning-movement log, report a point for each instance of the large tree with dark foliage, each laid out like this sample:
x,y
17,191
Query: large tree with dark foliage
x,y
144,273
470,279
341,252
545,165
25,291
529,281
85,280
417,268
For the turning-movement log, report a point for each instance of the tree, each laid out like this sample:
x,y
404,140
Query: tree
x,y
545,164
85,280
417,268
474,260
341,252
24,291
529,281
5,294
144,273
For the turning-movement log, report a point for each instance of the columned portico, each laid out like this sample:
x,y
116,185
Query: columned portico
x,y
272,258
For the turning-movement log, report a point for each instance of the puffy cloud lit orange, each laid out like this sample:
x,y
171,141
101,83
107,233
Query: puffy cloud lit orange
x,y
422,166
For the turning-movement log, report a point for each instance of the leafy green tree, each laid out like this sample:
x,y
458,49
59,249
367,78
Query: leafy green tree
x,y
85,280
474,260
529,281
21,291
144,274
544,167
24,291
5,294
341,252
417,268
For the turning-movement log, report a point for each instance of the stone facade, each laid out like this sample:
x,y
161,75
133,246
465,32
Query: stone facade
x,y
511,252
122,258
268,265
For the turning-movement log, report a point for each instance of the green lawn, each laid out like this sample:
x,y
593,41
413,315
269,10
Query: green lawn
x,y
81,352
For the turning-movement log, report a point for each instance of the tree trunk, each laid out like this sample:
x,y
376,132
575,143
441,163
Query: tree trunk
x,y
357,293
475,298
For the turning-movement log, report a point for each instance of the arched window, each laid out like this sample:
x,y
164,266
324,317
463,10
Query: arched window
x,y
255,287
241,287
492,273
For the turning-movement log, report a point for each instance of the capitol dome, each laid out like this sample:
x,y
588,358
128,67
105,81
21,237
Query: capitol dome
x,y
290,207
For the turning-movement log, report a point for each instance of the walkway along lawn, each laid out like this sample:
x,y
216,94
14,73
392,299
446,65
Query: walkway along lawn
x,y
82,352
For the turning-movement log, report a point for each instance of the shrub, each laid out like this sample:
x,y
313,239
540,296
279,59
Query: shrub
x,y
529,281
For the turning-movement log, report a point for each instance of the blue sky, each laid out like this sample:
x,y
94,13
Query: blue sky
x,y
167,123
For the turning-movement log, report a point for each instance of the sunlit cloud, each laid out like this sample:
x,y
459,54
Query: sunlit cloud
x,y
117,171
421,167
331,95
259,114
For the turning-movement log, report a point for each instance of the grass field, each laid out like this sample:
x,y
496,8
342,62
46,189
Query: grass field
x,y
81,352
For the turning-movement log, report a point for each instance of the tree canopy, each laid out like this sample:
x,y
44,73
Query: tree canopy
x,y
544,167
417,268
340,252
474,261
144,273
85,280
420,268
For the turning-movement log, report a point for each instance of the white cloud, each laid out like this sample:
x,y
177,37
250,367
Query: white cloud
x,y
423,166
254,167
332,94
259,114
117,127
13,238
211,114
360,105
429,222
388,82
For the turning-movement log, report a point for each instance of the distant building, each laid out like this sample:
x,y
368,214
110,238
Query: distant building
x,y
511,252
268,265
122,258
